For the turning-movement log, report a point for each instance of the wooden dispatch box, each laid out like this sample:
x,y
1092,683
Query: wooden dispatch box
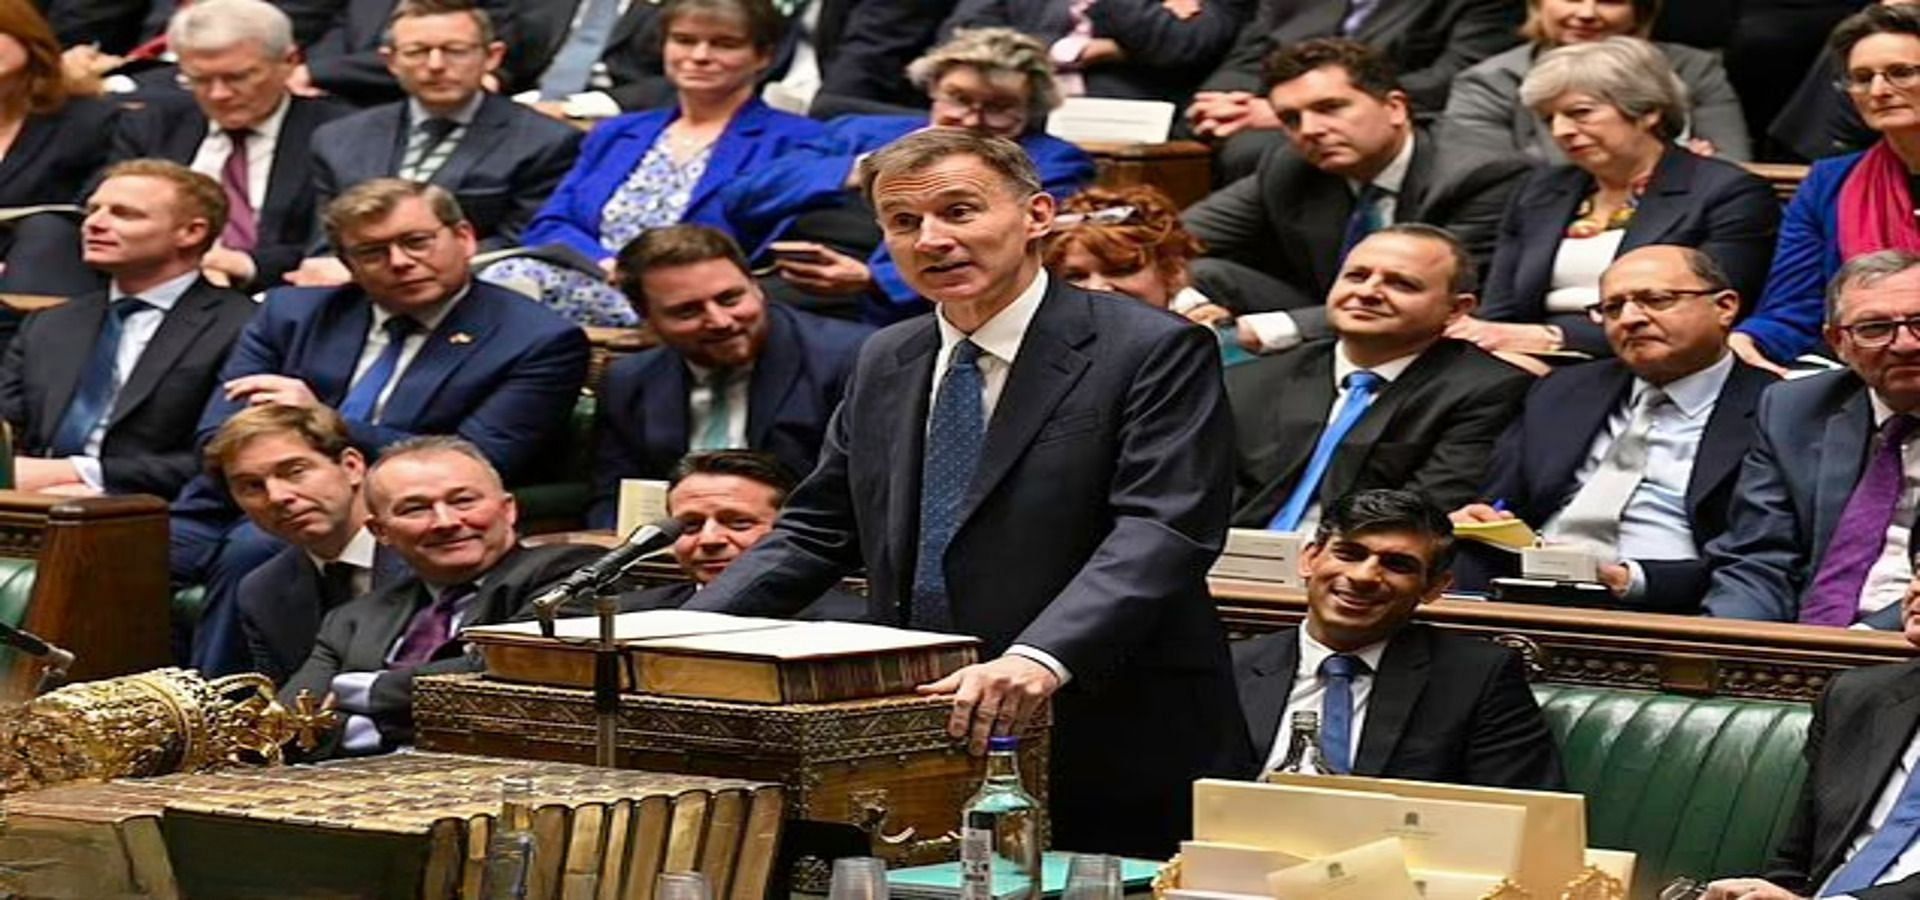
x,y
863,777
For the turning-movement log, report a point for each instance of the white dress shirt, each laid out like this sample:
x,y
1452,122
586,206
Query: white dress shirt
x,y
1654,525
1908,862
700,403
999,340
136,332
377,341
1388,371
211,158
1310,691
1887,579
795,90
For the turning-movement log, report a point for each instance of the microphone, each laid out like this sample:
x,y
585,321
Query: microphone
x,y
645,540
58,660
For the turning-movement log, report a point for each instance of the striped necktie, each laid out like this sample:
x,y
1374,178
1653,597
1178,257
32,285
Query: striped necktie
x,y
428,147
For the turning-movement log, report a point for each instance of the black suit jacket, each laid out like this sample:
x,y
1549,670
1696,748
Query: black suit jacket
x,y
1099,502
1429,40
1693,201
632,55
1862,724
289,217
1166,56
833,605
873,42
344,56
1536,460
149,444
116,25
357,636
797,382
510,159
1289,219
1443,707
1430,430
282,602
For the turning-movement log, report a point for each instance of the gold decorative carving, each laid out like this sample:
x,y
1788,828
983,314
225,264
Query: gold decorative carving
x,y
1167,878
1593,884
1531,653
1507,890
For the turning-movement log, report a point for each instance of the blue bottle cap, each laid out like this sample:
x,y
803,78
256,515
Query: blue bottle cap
x,y
1003,742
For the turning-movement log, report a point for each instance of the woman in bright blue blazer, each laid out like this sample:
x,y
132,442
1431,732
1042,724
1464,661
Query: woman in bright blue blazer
x,y
992,80
664,166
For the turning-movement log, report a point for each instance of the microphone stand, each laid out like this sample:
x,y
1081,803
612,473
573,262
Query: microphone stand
x,y
606,664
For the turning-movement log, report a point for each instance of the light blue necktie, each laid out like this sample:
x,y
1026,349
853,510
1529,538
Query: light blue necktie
x,y
93,397
717,433
1360,388
957,427
365,395
572,66
1336,710
1893,838
1357,13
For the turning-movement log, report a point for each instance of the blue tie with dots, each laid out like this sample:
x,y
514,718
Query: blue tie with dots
x,y
1336,710
956,429
365,395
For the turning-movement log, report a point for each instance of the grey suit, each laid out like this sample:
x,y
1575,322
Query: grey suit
x,y
1484,108
358,635
1810,446
1274,237
502,170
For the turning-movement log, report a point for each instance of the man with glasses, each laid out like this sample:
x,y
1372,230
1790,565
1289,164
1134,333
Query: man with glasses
x,y
1635,456
413,345
500,159
1396,699
244,129
1821,526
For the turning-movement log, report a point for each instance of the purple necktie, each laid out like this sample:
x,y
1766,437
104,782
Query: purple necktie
x,y
242,231
1861,534
430,628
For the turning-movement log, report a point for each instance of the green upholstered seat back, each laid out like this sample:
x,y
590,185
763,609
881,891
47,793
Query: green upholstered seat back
x,y
1697,786
16,589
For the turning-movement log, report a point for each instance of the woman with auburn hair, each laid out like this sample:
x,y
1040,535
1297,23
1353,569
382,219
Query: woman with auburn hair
x,y
1129,241
51,143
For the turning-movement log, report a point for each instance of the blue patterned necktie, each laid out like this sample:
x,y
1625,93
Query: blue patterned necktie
x,y
1360,388
956,429
365,395
1336,710
1893,838
572,64
1365,219
93,396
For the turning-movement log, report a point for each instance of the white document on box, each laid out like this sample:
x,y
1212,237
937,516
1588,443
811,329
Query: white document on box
x,y
1103,119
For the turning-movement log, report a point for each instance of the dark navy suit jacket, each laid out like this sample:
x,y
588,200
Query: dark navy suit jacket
x,y
1098,504
1809,448
1692,201
510,160
282,602
760,207
1535,462
757,135
797,382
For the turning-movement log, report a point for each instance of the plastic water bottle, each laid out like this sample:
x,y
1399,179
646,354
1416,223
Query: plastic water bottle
x,y
509,860
1000,832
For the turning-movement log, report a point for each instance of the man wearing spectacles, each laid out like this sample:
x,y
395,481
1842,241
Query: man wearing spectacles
x,y
1820,531
413,345
1633,457
500,159
244,129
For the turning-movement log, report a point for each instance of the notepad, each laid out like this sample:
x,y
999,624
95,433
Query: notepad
x,y
1507,534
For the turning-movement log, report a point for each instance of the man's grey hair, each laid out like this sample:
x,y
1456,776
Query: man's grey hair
x,y
211,25
1867,270
923,149
996,53
424,445
1632,75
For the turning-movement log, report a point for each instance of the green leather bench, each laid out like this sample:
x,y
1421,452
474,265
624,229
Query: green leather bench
x,y
1696,786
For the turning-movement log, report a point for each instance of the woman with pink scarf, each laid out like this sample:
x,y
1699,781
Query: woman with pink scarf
x,y
1848,205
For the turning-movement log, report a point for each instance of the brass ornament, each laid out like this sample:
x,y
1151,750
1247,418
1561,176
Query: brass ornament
x,y
1593,884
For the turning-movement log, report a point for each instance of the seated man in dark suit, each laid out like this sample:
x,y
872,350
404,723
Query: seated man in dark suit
x,y
244,129
1426,704
413,346
1854,832
1429,40
499,159
725,502
296,473
345,61
1644,478
732,370
1388,403
1821,527
1354,161
101,391
439,504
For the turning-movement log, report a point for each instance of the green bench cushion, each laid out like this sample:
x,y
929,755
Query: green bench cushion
x,y
1696,786
16,589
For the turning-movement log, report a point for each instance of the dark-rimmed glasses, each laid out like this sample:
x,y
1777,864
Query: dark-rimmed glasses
x,y
416,244
1876,333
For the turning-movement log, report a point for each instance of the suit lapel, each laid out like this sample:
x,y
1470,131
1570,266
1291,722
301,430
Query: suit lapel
x,y
461,334
71,351
1263,696
1843,455
1419,178
33,137
1892,727
1574,430
385,632
775,375
1049,364
288,175
178,330
1322,235
909,385
338,343
1725,439
1550,216
731,152
1300,415
1390,704
1665,204
487,131
1350,458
